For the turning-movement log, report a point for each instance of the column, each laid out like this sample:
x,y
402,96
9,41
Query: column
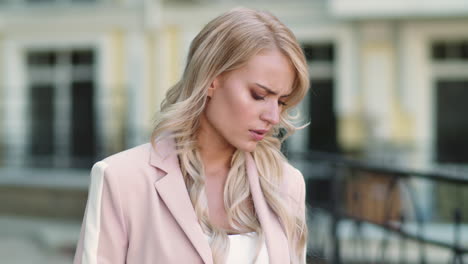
x,y
136,80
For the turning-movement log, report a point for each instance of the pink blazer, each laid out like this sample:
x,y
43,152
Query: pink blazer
x,y
139,211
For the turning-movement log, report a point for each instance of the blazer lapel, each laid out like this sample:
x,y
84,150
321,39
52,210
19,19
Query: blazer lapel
x,y
276,241
173,192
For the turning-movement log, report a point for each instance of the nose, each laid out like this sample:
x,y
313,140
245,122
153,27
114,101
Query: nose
x,y
271,113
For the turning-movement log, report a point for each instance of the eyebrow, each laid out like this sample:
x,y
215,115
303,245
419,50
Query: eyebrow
x,y
271,91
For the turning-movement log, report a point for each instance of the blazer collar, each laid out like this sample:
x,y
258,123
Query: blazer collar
x,y
173,191
163,155
276,241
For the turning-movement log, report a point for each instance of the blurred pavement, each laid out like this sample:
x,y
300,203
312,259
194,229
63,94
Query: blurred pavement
x,y
37,241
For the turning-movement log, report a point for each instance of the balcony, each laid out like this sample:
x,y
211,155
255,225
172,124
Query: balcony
x,y
32,3
362,212
94,14
394,9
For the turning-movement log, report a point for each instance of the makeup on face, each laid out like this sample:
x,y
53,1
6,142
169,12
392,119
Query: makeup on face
x,y
260,92
247,102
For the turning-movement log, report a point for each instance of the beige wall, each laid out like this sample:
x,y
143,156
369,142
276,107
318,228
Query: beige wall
x,y
2,105
167,62
118,89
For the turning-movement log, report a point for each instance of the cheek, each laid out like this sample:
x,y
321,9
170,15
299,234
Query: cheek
x,y
237,105
240,107
232,111
223,112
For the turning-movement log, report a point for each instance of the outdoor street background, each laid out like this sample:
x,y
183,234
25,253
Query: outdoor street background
x,y
83,79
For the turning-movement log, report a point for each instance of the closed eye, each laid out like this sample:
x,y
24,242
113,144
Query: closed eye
x,y
257,97
261,98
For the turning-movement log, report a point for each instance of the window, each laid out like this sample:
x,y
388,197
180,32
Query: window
x,y
452,124
319,52
61,107
323,127
449,68
450,50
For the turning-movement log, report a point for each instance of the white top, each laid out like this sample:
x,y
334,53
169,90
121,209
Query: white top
x,y
242,249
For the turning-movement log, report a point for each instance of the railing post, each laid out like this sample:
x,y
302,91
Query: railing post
x,y
457,215
334,190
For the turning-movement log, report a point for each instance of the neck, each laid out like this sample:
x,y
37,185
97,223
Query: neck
x,y
215,151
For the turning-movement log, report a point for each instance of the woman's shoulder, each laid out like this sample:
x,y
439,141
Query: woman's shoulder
x,y
293,181
132,156
125,162
292,176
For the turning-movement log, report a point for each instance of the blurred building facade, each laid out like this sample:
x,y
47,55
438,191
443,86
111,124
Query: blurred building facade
x,y
399,80
82,79
74,79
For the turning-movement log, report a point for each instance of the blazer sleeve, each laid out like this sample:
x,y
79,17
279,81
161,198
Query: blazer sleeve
x,y
302,195
301,203
103,237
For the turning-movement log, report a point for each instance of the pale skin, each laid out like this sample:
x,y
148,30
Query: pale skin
x,y
241,101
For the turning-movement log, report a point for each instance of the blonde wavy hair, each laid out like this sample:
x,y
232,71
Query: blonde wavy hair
x,y
225,44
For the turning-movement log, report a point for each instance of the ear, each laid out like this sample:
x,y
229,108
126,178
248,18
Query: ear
x,y
214,85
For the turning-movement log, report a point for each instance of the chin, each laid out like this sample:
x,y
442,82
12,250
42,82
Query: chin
x,y
248,146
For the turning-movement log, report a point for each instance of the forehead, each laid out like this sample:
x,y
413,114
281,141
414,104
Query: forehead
x,y
271,68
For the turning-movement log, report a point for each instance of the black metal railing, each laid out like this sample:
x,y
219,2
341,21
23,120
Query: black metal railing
x,y
360,212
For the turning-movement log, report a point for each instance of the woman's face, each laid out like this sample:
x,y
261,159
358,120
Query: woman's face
x,y
246,103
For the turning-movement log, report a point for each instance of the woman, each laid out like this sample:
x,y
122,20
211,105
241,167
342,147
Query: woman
x,y
212,187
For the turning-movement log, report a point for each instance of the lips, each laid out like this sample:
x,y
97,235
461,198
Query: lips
x,y
258,134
